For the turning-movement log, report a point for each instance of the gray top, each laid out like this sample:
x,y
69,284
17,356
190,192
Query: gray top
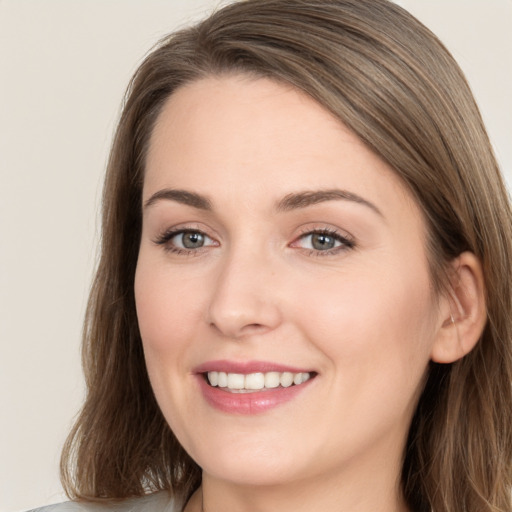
x,y
158,502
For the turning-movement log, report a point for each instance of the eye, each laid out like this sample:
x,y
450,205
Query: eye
x,y
184,240
322,241
326,241
189,240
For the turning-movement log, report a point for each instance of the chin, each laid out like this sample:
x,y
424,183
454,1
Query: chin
x,y
251,473
255,464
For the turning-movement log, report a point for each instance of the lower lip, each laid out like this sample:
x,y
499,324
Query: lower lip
x,y
249,403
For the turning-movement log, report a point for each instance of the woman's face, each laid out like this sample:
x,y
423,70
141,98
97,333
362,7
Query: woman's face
x,y
278,250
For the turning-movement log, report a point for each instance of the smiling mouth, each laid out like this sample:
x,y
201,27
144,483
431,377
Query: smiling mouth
x,y
253,382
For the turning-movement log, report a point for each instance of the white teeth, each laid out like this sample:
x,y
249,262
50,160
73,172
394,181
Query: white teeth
x,y
286,379
236,381
223,380
272,379
213,377
256,381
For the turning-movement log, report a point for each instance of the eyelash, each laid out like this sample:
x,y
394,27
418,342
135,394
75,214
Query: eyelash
x,y
168,235
346,243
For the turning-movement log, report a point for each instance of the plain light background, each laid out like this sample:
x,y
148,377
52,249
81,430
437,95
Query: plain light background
x,y
64,65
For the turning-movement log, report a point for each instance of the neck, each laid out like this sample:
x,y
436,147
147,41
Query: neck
x,y
328,495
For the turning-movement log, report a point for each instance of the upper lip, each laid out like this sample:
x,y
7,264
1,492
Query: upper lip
x,y
246,367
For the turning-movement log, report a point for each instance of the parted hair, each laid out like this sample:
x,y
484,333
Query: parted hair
x,y
389,79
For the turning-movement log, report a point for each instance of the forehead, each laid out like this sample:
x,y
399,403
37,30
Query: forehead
x,y
238,133
236,114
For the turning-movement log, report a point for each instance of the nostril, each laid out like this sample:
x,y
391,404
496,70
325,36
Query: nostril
x,y
238,333
253,329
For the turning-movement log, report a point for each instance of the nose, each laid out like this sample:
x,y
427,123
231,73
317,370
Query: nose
x,y
245,300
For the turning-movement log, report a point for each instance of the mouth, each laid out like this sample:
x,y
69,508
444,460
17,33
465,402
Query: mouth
x,y
251,387
254,382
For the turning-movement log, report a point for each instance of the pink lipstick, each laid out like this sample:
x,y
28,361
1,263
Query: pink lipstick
x,y
250,387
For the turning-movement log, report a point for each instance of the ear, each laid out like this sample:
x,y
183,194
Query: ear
x,y
462,311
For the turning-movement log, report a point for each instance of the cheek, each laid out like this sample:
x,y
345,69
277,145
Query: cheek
x,y
167,309
376,337
167,312
377,327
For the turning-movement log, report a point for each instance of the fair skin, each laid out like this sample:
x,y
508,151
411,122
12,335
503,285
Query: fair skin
x,y
246,267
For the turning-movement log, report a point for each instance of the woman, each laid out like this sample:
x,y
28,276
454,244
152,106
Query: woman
x,y
304,295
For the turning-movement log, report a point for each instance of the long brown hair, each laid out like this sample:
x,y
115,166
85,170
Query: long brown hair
x,y
389,79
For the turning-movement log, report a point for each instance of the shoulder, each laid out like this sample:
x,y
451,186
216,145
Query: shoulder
x,y
158,502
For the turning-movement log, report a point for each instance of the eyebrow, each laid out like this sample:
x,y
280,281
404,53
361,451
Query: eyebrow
x,y
308,198
293,201
180,196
